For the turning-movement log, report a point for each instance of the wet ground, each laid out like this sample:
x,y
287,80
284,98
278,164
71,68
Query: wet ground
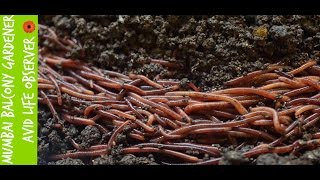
x,y
210,49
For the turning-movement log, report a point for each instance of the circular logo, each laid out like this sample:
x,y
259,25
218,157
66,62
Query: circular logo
x,y
28,27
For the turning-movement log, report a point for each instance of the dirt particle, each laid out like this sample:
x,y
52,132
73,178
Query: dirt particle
x,y
89,135
105,160
261,32
133,160
233,158
67,161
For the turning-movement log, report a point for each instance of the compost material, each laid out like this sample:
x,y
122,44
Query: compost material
x,y
59,53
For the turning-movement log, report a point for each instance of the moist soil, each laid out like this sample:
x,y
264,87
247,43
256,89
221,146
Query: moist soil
x,y
209,49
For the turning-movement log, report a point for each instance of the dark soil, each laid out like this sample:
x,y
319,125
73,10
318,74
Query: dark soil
x,y
210,49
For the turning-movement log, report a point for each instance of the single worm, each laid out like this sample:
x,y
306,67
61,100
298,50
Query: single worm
x,y
165,63
305,108
109,115
179,147
77,120
275,117
146,80
51,107
185,157
260,92
114,135
83,96
152,104
303,101
79,154
214,97
303,67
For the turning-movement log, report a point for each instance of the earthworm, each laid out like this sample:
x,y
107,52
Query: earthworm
x,y
181,102
316,135
222,114
44,81
186,129
144,87
256,133
75,88
93,107
146,80
109,115
178,147
69,79
101,128
275,117
160,99
266,149
121,114
311,120
288,111
77,120
94,76
56,41
194,87
96,117
161,91
209,148
304,101
63,63
114,135
166,97
124,91
212,118
79,154
275,85
146,127
311,83
109,85
291,82
180,155
160,121
260,92
214,130
286,120
305,108
94,86
168,83
136,136
45,86
170,123
234,102
51,107
315,70
296,92
158,117
245,78
183,114
152,104
116,74
164,63
166,135
262,122
121,107
133,109
82,96
284,74
303,67
84,91
264,77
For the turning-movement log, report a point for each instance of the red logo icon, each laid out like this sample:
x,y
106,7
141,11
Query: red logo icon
x,y
29,26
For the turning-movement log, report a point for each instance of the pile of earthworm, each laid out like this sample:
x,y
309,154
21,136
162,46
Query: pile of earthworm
x,y
274,109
